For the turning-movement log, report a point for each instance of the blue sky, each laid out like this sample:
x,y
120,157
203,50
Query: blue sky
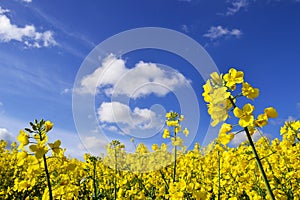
x,y
44,43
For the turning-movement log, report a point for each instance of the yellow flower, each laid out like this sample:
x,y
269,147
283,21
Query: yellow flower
x,y
225,138
216,79
208,89
217,113
21,156
177,142
172,123
166,133
55,146
185,132
220,95
23,138
48,125
39,149
249,92
168,115
245,115
233,77
225,128
262,120
271,112
155,147
177,129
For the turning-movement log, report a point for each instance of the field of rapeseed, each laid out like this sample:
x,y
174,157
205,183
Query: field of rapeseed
x,y
37,169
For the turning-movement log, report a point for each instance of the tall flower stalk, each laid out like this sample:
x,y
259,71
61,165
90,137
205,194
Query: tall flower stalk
x,y
219,93
40,147
173,120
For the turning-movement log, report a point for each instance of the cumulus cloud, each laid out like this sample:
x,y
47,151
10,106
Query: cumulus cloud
x,y
114,78
138,119
27,1
236,6
217,32
28,34
7,136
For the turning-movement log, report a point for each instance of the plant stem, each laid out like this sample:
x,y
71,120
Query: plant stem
x,y
261,169
94,180
115,178
219,176
48,177
175,157
46,170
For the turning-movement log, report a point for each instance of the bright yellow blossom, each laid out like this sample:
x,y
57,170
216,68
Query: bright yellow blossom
x,y
55,146
23,138
166,133
39,149
233,77
245,115
262,120
48,125
271,112
249,92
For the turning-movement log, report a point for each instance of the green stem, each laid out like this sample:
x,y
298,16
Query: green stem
x,y
94,180
48,178
163,177
175,157
219,176
46,171
115,178
259,164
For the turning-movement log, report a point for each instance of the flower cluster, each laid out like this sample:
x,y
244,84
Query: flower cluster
x,y
197,173
220,93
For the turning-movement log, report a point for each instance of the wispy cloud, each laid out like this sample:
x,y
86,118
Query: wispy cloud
x,y
62,28
185,28
218,32
28,34
27,1
236,6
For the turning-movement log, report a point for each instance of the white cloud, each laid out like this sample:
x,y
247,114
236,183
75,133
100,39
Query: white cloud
x,y
7,136
241,137
217,32
114,78
3,11
127,119
93,144
27,34
27,1
236,6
